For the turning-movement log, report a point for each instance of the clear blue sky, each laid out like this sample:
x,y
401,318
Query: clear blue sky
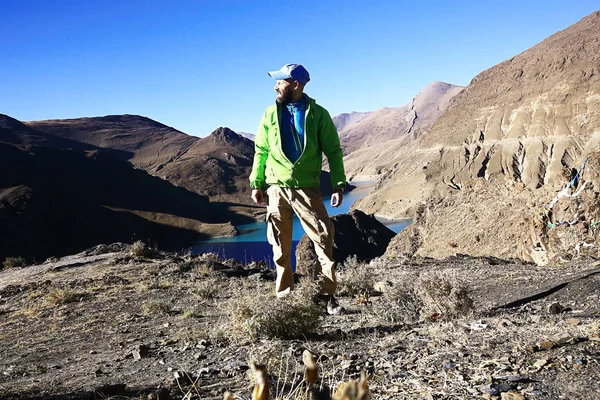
x,y
196,65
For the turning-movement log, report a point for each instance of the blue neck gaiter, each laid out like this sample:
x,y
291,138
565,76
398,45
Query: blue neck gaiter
x,y
292,129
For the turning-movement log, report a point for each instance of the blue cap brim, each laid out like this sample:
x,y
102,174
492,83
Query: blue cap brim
x,y
278,75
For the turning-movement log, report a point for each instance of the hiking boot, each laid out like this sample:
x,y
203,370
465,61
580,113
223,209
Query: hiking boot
x,y
333,307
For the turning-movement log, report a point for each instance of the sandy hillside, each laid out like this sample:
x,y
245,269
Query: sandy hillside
x,y
506,146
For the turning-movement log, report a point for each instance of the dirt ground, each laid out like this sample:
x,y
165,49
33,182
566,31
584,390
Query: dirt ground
x,y
109,324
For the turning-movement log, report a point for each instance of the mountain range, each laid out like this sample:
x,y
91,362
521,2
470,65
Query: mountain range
x,y
64,191
476,167
371,140
215,166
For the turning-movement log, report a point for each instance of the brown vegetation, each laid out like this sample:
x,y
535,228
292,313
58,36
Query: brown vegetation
x,y
106,322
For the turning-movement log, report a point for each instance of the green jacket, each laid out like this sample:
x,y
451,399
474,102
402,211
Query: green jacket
x,y
272,167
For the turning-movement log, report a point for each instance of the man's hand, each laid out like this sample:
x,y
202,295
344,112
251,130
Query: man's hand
x,y
258,196
337,197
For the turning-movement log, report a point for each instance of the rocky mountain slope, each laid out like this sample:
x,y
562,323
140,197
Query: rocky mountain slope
x,y
508,143
216,166
370,140
62,195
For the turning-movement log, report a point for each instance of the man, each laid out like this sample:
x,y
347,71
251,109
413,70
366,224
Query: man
x,y
293,135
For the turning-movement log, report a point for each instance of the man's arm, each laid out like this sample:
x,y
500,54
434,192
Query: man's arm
x,y
330,143
261,152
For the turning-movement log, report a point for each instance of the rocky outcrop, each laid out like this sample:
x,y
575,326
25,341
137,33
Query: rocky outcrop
x,y
15,197
356,235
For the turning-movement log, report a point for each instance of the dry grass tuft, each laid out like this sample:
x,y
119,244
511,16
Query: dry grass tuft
x,y
203,269
443,294
156,283
156,307
355,278
62,296
189,314
426,296
14,262
140,250
256,313
400,303
206,288
313,386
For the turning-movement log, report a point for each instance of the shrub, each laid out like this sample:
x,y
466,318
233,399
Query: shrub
x,y
139,249
206,288
14,262
400,303
442,294
355,278
62,296
156,307
254,313
428,296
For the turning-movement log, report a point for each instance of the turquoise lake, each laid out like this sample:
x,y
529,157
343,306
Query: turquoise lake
x,y
251,244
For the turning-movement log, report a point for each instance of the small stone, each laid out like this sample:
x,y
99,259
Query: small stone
x,y
93,352
540,363
182,377
503,387
561,338
140,352
555,308
489,390
479,326
516,378
382,286
503,323
546,345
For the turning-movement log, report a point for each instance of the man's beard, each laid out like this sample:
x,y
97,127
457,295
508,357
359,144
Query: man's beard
x,y
285,97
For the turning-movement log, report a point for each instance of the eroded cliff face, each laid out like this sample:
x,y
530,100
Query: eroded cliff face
x,y
505,147
508,220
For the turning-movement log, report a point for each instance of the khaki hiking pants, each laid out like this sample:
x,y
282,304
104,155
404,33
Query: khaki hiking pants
x,y
307,204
